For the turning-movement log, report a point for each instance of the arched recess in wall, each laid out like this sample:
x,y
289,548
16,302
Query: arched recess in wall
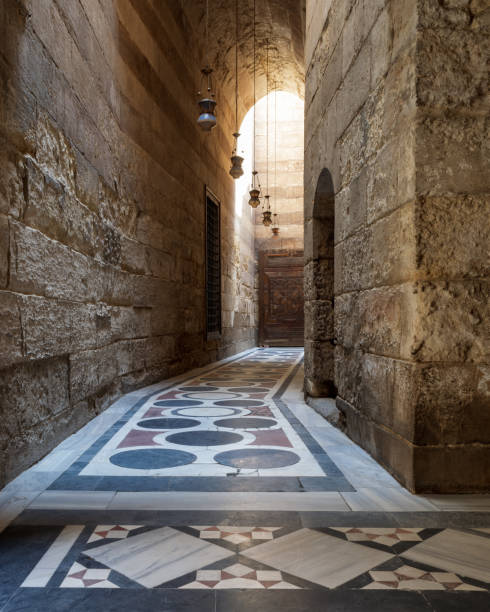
x,y
319,290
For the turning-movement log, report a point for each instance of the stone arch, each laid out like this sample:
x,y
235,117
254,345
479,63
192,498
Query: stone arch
x,y
319,290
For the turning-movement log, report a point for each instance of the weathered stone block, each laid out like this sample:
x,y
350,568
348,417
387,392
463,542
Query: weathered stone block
x,y
451,469
350,207
59,215
86,182
319,320
393,247
380,42
452,405
12,174
56,327
42,266
18,110
450,321
375,320
125,323
357,261
319,369
319,275
54,152
116,211
319,239
451,69
31,393
10,330
452,155
4,250
443,249
92,370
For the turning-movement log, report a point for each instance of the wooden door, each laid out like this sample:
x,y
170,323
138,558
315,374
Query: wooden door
x,y
281,298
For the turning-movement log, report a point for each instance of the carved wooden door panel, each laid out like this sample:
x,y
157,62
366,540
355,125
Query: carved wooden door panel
x,y
281,318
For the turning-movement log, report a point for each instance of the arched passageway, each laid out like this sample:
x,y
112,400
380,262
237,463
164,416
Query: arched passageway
x,y
319,290
278,257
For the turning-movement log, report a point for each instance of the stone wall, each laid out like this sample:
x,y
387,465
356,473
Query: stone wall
x,y
102,176
286,175
396,112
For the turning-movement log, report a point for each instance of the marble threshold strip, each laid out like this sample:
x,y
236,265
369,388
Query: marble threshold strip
x,y
387,500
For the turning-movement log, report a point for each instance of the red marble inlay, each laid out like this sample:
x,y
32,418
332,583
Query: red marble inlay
x,y
169,395
257,395
276,437
154,411
136,437
260,411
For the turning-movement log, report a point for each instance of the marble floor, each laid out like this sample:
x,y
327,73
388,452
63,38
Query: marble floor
x,y
222,490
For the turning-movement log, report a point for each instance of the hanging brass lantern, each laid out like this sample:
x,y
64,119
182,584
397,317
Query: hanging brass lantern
x,y
236,169
267,214
275,226
254,198
207,118
254,192
267,218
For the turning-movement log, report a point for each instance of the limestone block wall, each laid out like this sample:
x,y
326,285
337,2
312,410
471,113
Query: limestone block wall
x,y
396,112
286,176
102,174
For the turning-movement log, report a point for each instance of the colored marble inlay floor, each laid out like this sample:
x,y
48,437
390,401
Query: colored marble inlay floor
x,y
222,491
228,422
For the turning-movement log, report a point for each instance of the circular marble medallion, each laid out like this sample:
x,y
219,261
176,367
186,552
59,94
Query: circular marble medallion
x,y
203,388
246,423
168,423
204,438
212,395
208,411
177,402
260,458
242,403
152,458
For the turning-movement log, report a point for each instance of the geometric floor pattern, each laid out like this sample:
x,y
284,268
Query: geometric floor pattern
x,y
211,432
221,557
222,491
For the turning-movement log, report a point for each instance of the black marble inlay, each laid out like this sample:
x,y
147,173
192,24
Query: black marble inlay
x,y
203,388
168,423
176,402
239,402
246,423
152,458
204,438
260,458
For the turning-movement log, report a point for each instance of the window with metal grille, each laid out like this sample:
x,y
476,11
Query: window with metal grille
x,y
213,267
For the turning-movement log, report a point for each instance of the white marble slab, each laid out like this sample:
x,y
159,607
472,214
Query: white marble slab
x,y
158,556
463,553
49,562
72,500
176,500
460,503
318,557
387,499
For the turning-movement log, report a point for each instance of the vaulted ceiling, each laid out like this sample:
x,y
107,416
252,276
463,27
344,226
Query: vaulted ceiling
x,y
280,22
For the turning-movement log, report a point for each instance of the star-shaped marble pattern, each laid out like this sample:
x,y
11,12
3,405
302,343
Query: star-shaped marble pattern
x,y
388,536
414,579
239,576
80,576
119,532
235,535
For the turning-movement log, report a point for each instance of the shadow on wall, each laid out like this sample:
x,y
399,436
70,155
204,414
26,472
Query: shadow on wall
x,y
319,290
